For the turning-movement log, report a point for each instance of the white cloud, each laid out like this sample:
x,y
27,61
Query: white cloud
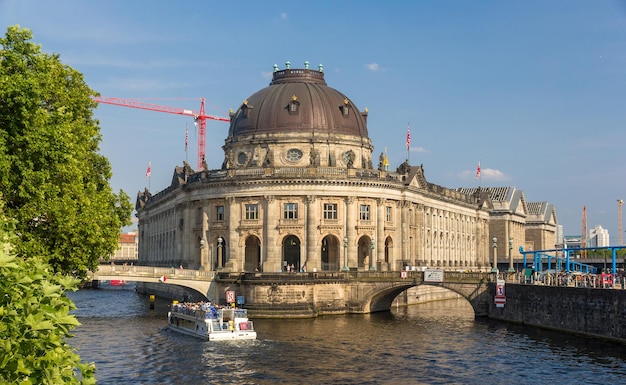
x,y
374,67
419,149
488,174
283,15
492,174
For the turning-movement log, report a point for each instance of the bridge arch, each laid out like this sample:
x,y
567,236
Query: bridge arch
x,y
381,298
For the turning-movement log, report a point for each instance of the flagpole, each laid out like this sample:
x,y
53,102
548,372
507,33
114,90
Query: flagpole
x,y
148,173
408,143
186,142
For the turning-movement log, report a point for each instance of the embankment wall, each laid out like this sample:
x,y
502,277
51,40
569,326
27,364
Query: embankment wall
x,y
593,312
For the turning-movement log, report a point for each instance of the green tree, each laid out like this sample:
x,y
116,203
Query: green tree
x,y
54,181
35,322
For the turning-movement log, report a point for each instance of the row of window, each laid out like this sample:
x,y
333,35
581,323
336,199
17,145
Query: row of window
x,y
290,211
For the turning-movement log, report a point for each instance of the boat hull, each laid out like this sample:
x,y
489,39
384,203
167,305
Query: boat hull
x,y
208,329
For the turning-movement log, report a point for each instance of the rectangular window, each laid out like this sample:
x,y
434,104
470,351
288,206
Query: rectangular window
x,y
364,212
330,211
291,211
199,215
252,212
388,213
219,213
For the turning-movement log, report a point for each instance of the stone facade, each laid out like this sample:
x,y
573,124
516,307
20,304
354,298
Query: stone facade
x,y
127,249
592,312
298,189
515,223
541,225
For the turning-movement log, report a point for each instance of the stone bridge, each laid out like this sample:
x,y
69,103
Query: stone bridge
x,y
306,294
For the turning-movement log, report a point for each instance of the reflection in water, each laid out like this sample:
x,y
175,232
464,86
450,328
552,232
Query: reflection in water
x,y
434,343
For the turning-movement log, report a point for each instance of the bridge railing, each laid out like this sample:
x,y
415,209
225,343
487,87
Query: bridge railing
x,y
131,270
282,277
344,276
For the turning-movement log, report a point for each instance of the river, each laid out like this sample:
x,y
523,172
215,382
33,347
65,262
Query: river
x,y
434,343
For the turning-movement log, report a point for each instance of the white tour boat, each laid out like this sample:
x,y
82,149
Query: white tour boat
x,y
208,322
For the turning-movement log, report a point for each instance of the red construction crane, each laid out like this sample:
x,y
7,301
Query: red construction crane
x,y
583,240
199,116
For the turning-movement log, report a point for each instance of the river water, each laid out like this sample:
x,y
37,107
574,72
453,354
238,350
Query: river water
x,y
435,343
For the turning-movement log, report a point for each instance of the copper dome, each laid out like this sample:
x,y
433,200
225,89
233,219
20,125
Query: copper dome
x,y
298,101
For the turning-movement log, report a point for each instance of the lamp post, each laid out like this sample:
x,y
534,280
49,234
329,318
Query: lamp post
x,y
494,268
373,263
220,252
345,254
511,269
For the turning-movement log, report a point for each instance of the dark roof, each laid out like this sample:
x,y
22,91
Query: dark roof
x,y
320,109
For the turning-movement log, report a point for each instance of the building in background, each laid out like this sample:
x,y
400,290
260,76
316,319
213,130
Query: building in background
x,y
542,229
598,237
128,249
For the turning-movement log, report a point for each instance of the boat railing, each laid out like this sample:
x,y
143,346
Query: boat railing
x,y
246,325
196,311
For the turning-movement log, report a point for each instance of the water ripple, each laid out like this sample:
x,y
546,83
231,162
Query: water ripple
x,y
437,343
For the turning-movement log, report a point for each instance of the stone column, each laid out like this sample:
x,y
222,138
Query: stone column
x,y
379,259
233,253
509,249
405,236
204,243
312,258
351,232
272,262
190,241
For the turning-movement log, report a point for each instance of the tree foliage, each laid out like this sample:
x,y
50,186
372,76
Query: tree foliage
x,y
35,322
54,181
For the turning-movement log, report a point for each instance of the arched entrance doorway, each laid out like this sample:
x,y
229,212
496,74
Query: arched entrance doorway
x,y
388,247
365,252
291,252
253,254
220,251
331,254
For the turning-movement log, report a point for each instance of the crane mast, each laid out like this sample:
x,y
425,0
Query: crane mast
x,y
583,239
620,229
200,117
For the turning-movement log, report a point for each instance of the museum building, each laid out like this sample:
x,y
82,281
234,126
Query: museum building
x,y
298,189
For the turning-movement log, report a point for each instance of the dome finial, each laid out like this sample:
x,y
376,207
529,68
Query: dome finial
x,y
306,65
321,68
287,64
275,67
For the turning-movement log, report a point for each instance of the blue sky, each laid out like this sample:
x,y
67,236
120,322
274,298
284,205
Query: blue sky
x,y
534,90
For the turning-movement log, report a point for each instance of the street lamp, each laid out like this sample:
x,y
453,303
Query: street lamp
x,y
511,269
220,252
345,254
373,262
494,268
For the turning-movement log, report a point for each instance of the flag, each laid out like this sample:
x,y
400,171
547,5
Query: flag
x,y
478,171
148,171
186,137
408,137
